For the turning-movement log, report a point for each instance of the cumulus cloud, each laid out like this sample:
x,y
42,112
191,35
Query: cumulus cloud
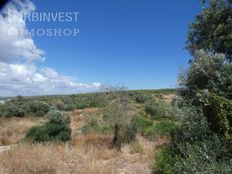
x,y
18,74
16,45
27,79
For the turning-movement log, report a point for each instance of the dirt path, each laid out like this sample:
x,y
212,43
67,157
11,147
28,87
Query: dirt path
x,y
78,120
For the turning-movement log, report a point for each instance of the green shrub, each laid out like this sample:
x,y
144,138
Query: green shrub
x,y
151,108
219,115
68,107
164,161
163,128
12,111
86,101
193,125
81,105
194,148
141,123
129,132
95,126
137,124
202,157
210,72
57,117
140,97
38,108
38,134
156,110
56,129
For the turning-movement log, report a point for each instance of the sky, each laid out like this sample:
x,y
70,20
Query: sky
x,y
138,44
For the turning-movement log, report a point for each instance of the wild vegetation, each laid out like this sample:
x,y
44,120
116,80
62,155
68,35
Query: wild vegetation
x,y
168,131
114,127
56,129
201,143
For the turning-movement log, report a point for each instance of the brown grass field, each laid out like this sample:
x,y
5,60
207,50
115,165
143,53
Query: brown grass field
x,y
84,154
12,130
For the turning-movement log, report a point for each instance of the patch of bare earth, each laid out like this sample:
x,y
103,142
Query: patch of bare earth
x,y
167,98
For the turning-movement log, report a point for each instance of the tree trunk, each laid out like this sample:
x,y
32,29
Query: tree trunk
x,y
116,141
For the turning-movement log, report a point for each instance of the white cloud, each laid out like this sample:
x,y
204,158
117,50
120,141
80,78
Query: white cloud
x,y
27,79
18,74
16,45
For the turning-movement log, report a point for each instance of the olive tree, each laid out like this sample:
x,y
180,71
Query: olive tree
x,y
116,110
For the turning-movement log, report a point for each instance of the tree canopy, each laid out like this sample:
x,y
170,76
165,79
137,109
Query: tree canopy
x,y
212,28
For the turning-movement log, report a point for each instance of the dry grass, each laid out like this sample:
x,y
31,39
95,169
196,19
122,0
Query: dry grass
x,y
12,130
54,158
85,154
136,147
78,118
92,140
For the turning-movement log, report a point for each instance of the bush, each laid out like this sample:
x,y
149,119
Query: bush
x,y
129,132
81,105
151,108
192,128
69,107
93,125
219,115
163,128
57,117
211,72
12,111
87,101
156,110
20,107
140,97
56,129
194,148
96,128
164,161
202,157
38,108
141,123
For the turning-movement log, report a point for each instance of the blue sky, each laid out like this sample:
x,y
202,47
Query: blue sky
x,y
137,43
